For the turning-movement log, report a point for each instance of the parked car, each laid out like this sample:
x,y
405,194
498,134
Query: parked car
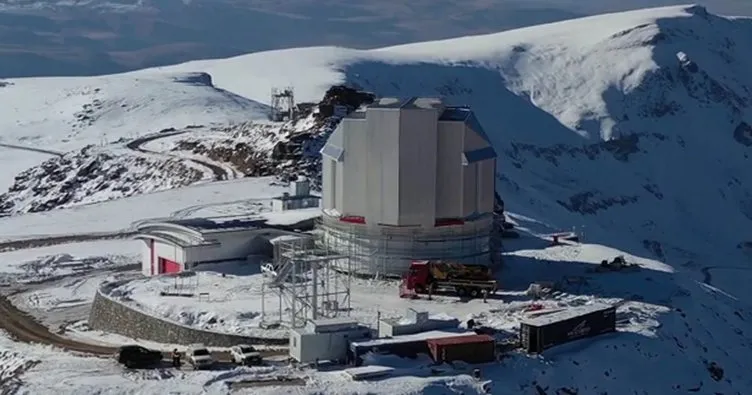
x,y
199,357
245,355
137,357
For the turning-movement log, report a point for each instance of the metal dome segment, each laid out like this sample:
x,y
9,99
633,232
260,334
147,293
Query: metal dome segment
x,y
408,179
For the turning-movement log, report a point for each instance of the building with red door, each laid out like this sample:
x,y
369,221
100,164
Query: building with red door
x,y
176,245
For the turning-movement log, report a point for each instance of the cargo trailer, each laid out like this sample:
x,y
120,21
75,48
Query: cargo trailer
x,y
549,330
470,349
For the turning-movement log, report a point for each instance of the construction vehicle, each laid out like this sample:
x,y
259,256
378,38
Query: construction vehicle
x,y
429,276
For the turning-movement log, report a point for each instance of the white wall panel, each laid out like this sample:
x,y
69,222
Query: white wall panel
x,y
449,170
146,257
168,251
382,183
354,169
418,149
470,189
328,179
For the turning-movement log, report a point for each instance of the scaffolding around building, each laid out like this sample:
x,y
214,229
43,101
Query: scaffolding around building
x,y
305,284
387,251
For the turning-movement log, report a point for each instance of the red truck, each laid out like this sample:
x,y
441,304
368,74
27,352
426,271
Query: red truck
x,y
462,279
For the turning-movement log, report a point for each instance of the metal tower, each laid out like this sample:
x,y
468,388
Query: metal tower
x,y
283,104
308,284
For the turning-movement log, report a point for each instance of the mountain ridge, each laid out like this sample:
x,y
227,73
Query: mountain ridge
x,y
629,128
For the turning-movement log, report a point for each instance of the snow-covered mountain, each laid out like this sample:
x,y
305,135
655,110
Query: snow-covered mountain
x,y
573,106
633,128
94,37
619,117
61,114
174,157
81,127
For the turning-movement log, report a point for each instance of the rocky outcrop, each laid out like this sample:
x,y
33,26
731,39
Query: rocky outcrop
x,y
743,134
93,175
288,151
109,315
344,96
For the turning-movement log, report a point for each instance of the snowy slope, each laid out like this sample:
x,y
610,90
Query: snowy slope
x,y
235,197
574,106
68,113
629,127
176,157
44,118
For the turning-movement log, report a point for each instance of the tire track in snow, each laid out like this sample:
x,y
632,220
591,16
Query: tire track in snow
x,y
51,240
185,212
220,173
708,275
32,149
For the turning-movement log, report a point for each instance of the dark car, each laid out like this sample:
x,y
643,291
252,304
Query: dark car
x,y
136,357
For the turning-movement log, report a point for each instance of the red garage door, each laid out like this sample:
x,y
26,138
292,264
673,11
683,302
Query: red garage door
x,y
168,266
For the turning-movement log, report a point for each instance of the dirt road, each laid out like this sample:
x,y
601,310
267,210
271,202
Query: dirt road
x,y
31,149
220,174
24,328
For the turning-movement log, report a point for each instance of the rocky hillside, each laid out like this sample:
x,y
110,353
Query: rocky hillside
x,y
175,158
95,174
288,150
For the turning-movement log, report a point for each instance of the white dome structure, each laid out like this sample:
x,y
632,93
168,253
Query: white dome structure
x,y
408,179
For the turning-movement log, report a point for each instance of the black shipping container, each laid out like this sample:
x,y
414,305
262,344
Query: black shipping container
x,y
546,331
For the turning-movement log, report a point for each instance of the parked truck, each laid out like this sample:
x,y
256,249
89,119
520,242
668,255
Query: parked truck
x,y
436,276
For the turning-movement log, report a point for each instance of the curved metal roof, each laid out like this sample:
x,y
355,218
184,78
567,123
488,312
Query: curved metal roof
x,y
171,233
200,231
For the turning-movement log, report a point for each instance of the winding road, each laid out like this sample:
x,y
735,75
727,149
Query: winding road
x,y
220,173
31,149
24,328
21,327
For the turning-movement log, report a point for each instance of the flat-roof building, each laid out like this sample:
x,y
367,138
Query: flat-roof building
x,y
172,246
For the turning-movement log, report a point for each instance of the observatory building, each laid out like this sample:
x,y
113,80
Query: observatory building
x,y
408,179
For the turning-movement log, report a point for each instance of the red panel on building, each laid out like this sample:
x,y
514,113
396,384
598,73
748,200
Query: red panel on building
x,y
353,219
168,266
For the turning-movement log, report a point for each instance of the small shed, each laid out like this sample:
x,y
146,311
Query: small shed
x,y
415,321
326,339
298,197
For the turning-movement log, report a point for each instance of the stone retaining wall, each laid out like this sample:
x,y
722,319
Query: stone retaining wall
x,y
109,315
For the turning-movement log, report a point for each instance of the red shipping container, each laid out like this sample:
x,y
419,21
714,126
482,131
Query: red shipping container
x,y
469,348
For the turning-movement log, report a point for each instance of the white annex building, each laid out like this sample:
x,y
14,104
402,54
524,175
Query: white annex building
x,y
407,179
178,245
